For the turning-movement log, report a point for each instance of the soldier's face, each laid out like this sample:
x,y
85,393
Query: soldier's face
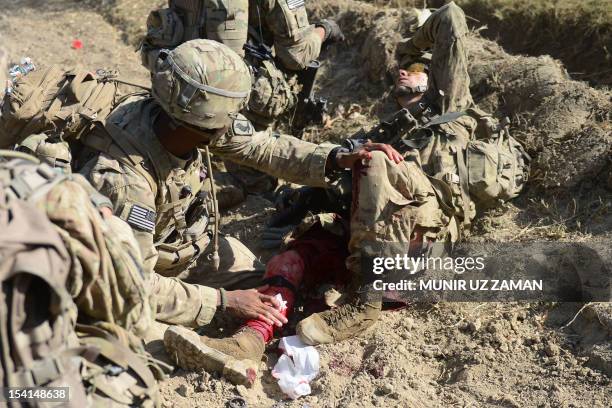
x,y
407,85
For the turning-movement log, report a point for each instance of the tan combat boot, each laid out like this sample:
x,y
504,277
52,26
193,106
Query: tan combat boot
x,y
338,324
236,358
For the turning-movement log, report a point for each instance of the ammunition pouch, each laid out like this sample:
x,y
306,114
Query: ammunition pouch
x,y
273,94
172,256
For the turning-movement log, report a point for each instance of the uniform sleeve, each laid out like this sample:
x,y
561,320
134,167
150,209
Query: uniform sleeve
x,y
178,302
132,199
444,33
295,40
278,155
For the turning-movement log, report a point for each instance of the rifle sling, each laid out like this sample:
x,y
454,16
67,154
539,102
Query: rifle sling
x,y
463,183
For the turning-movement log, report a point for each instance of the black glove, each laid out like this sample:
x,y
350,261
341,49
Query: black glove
x,y
274,237
333,33
292,205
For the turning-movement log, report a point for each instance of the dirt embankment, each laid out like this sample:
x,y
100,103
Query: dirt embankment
x,y
564,123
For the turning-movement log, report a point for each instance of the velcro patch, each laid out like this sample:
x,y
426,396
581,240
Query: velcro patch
x,y
242,127
142,218
294,4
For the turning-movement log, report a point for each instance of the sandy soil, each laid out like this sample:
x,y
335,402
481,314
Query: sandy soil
x,y
426,355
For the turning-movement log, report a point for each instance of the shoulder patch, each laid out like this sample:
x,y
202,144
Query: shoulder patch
x,y
242,127
142,218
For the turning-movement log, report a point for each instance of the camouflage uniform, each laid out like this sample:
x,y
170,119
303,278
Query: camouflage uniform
x,y
448,90
169,239
282,24
100,273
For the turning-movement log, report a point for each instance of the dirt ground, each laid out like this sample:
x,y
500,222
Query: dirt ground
x,y
426,355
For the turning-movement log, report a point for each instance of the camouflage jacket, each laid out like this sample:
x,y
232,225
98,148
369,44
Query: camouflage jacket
x,y
105,278
448,90
159,194
282,24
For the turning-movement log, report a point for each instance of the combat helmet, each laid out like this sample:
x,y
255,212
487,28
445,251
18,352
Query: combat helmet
x,y
202,83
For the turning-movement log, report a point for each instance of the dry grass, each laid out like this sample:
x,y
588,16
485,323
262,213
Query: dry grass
x,y
578,32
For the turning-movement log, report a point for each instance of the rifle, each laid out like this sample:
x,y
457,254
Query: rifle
x,y
398,126
259,52
391,130
310,109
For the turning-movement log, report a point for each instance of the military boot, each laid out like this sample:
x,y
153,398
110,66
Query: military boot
x,y
340,323
236,358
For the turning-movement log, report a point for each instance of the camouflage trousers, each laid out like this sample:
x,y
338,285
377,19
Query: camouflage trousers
x,y
190,297
392,204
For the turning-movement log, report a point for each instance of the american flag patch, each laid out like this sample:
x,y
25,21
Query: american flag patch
x,y
293,4
142,218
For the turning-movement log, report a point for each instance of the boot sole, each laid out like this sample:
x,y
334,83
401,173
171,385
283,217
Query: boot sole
x,y
185,347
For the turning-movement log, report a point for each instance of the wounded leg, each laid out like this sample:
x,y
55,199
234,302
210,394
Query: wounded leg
x,y
316,257
390,202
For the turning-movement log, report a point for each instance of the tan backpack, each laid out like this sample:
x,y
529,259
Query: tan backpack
x,y
102,363
488,170
65,101
497,164
38,344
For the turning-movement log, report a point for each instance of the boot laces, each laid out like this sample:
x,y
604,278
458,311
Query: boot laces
x,y
342,314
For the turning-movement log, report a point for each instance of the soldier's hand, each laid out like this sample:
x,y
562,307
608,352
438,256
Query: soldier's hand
x,y
347,160
251,304
333,33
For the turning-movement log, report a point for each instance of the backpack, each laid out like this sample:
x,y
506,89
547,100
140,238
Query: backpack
x,y
102,363
38,344
497,164
116,375
65,101
487,170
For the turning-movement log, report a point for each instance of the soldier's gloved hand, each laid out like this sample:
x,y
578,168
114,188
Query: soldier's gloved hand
x,y
347,159
292,204
251,304
274,237
333,33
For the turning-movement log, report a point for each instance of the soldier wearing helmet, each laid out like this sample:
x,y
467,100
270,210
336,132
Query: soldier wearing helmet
x,y
149,158
432,82
278,25
281,25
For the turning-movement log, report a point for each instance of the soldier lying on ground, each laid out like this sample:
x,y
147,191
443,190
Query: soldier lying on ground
x,y
420,201
438,88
